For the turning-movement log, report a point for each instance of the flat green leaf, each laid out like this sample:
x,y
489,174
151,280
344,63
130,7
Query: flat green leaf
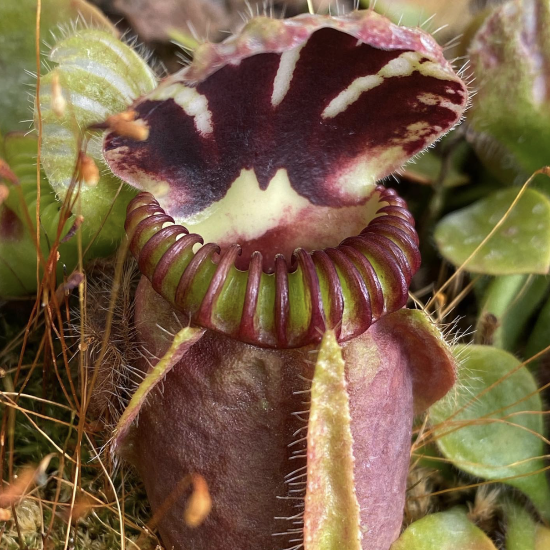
x,y
428,456
512,299
429,167
17,256
522,531
450,530
520,245
492,426
540,335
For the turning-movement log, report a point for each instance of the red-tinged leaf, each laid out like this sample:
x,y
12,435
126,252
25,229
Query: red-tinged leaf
x,y
431,363
402,355
6,172
11,227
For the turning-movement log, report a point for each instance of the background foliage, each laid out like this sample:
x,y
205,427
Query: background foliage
x,y
479,463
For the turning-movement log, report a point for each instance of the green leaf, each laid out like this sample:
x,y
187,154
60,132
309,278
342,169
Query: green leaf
x,y
510,60
512,299
17,248
492,426
99,76
20,154
17,256
429,167
18,50
520,245
522,531
18,55
540,335
450,530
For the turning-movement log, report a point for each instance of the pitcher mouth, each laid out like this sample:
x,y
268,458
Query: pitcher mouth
x,y
269,144
345,288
